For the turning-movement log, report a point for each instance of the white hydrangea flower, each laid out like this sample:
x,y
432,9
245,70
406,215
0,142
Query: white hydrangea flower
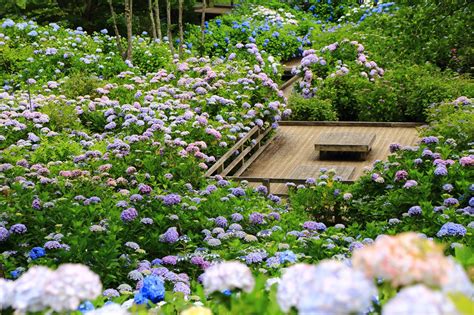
x,y
227,276
109,309
61,290
73,283
458,281
294,281
419,299
336,289
6,293
29,294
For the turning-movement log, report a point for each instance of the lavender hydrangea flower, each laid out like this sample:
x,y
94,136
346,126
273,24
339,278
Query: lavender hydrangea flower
x,y
314,226
238,192
237,217
170,236
221,221
451,229
414,211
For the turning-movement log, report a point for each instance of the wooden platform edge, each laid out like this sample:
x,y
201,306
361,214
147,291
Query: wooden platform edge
x,y
351,123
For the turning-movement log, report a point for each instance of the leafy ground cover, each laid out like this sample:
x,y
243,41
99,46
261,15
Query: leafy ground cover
x,y
105,209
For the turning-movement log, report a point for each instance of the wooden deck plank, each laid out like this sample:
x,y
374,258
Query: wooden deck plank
x,y
293,145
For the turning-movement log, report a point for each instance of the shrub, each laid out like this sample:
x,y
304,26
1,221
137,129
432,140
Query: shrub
x,y
454,120
61,116
80,84
311,109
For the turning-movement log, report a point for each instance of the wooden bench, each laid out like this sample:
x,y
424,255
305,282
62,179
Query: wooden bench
x,y
345,142
314,171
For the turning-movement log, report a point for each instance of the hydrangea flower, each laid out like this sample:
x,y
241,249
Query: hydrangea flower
x,y
153,289
451,229
228,276
170,236
403,259
354,292
37,252
414,211
419,299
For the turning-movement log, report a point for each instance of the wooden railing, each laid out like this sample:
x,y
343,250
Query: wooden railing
x,y
248,148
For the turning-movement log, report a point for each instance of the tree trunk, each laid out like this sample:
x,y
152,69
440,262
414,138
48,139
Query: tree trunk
x,y
128,16
168,26
203,20
158,20
152,19
181,30
117,33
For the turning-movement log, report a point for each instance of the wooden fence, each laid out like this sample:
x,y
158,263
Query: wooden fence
x,y
242,153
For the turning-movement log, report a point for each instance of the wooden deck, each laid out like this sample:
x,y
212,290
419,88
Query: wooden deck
x,y
288,65
289,85
291,153
214,10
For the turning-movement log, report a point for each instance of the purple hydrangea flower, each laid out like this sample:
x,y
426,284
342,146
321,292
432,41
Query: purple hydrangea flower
x,y
169,260
36,204
18,228
314,226
171,199
4,234
129,215
256,218
394,147
144,189
170,236
441,170
450,202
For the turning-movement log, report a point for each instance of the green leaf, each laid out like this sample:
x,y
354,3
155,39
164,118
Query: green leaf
x,y
21,4
463,304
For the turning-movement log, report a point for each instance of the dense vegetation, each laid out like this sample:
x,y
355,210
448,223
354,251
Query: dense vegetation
x,y
102,163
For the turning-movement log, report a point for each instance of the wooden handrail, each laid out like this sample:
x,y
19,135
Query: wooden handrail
x,y
242,147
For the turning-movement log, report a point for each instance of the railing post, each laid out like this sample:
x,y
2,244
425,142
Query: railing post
x,y
266,183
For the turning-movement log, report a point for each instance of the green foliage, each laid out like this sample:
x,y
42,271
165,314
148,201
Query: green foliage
x,y
80,84
61,116
454,120
313,109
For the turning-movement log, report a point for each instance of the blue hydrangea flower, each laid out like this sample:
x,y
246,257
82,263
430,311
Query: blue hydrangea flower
x,y
85,307
37,252
287,256
153,289
451,229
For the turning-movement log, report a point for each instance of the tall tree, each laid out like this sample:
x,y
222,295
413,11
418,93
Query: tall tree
x,y
116,31
181,30
128,17
168,26
158,20
203,21
152,19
